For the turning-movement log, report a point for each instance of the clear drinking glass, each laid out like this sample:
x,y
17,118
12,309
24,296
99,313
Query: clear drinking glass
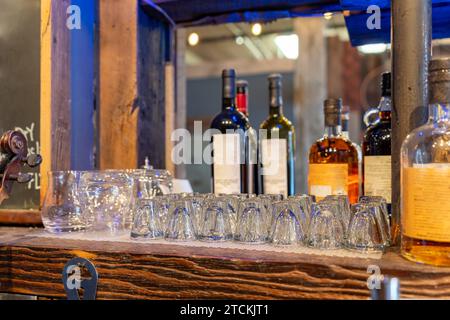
x,y
343,205
286,228
326,230
252,222
107,198
366,231
217,223
61,211
180,225
302,207
197,209
147,222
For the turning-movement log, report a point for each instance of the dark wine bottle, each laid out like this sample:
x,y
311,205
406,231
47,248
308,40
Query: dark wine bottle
x,y
377,148
277,149
231,165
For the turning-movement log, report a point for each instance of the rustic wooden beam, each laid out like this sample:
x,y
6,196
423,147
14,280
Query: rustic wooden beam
x,y
32,265
132,86
67,86
310,89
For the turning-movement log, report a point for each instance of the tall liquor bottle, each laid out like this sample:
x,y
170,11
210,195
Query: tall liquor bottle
x,y
277,145
425,177
231,172
242,96
333,159
377,148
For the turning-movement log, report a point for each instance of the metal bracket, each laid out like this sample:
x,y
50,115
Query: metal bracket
x,y
73,282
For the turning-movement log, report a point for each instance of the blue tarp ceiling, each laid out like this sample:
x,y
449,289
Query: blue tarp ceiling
x,y
202,12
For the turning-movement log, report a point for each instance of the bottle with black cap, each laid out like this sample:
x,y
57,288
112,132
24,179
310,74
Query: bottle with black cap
x,y
277,145
333,159
425,177
231,168
377,148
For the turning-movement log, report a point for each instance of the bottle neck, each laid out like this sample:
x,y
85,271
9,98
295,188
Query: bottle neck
x,y
276,111
228,104
333,131
439,112
385,108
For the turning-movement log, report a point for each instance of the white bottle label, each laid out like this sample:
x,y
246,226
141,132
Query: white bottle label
x,y
377,176
226,163
274,161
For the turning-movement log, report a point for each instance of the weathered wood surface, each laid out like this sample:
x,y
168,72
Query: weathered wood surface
x,y
310,89
132,55
20,217
30,265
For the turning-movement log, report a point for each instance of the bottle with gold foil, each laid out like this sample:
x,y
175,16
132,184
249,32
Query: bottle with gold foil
x,y
333,159
425,174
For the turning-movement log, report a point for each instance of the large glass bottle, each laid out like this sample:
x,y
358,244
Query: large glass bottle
x,y
425,177
377,148
277,145
231,173
333,159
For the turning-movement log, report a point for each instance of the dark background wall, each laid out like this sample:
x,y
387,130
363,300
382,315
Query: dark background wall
x,y
20,84
204,102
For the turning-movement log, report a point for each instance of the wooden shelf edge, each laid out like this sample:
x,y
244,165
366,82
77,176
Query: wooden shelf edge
x,y
31,265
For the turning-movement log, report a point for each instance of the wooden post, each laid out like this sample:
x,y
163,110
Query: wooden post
x,y
67,86
309,92
180,90
132,86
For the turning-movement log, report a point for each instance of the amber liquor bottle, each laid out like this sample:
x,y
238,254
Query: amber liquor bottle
x,y
333,159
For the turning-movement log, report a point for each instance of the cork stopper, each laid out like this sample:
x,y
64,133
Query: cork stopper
x,y
332,109
439,81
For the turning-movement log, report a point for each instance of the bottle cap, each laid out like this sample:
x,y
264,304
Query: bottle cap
x,y
242,86
439,81
275,80
386,84
332,110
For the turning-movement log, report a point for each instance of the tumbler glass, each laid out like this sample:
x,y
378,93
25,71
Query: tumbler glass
x,y
196,203
146,220
252,222
217,223
365,232
180,225
61,211
326,230
286,228
107,198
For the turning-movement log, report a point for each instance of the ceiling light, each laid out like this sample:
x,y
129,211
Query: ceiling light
x,y
288,44
328,15
375,48
256,29
193,39
240,40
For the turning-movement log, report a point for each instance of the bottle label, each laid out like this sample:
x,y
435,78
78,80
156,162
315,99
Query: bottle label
x,y
426,203
377,176
274,162
328,179
226,163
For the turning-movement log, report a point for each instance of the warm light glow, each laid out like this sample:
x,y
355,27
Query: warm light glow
x,y
256,29
193,39
288,44
375,48
328,15
240,40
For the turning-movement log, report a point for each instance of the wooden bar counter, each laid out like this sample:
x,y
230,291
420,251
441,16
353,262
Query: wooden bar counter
x,y
33,266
